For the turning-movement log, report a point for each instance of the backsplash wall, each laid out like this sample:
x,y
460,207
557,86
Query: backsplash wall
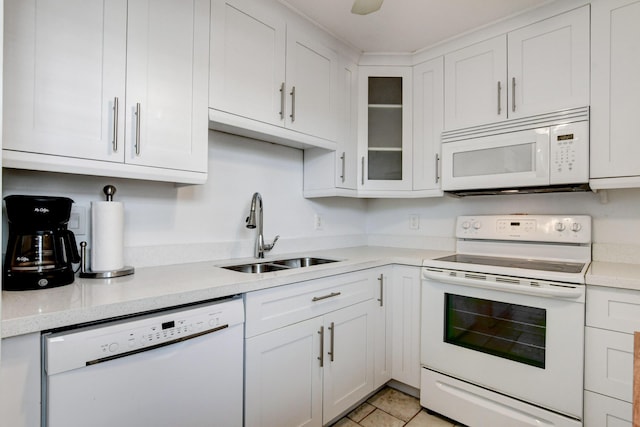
x,y
616,223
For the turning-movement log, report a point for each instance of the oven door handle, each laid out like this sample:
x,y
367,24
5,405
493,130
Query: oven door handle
x,y
488,282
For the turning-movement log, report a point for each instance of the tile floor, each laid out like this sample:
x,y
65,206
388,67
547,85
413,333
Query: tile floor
x,y
391,408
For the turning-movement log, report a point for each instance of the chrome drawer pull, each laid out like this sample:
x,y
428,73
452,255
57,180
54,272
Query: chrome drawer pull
x,y
331,295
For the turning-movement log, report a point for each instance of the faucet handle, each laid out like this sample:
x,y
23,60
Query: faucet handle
x,y
268,247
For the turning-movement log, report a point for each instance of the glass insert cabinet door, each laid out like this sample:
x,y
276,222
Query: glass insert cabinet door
x,y
385,128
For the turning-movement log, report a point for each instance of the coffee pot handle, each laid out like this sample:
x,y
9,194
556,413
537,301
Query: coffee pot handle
x,y
71,246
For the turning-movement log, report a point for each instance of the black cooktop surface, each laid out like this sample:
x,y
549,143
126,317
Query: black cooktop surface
x,y
529,264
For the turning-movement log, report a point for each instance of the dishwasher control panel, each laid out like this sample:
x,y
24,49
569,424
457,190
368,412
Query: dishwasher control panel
x,y
96,343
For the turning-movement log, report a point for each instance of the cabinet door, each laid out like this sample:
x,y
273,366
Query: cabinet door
x,y
248,60
405,325
312,85
383,339
283,376
347,150
603,411
385,129
348,357
61,81
475,84
167,77
549,65
615,88
608,363
428,117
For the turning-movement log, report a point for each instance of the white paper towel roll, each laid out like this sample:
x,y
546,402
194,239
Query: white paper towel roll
x,y
107,231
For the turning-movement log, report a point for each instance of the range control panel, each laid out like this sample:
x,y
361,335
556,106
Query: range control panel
x,y
532,228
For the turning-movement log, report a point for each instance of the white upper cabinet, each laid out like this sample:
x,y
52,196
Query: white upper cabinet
x,y
540,68
428,118
107,88
474,84
167,75
248,60
615,90
384,128
61,81
272,76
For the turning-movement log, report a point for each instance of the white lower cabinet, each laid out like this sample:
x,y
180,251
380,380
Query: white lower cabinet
x,y
404,324
20,381
612,315
310,350
603,411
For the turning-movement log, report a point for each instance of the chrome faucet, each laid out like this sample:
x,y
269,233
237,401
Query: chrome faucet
x,y
261,247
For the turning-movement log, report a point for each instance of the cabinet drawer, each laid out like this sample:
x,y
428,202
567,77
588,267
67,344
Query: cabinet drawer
x,y
613,309
277,307
609,363
603,411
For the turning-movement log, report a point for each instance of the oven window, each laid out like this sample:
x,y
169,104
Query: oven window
x,y
511,331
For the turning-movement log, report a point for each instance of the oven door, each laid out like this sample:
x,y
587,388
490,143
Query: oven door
x,y
526,346
514,159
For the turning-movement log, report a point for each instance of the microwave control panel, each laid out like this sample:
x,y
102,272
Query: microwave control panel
x,y
569,153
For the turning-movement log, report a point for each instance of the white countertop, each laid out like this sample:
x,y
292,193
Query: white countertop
x,y
614,274
153,288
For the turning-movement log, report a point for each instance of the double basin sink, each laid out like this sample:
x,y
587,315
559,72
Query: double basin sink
x,y
278,265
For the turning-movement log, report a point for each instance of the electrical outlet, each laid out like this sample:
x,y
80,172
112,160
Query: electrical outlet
x,y
317,222
78,220
414,221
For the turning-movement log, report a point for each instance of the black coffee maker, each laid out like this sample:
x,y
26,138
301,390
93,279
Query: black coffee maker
x,y
40,248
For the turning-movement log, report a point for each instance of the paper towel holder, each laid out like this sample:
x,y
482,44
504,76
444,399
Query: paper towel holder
x,y
85,272
88,274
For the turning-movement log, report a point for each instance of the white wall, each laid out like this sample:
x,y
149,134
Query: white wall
x,y
165,223
615,223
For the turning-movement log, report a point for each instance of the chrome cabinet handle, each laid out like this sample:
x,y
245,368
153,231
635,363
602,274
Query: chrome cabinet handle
x,y
321,357
115,125
343,166
137,129
282,95
499,96
362,179
513,94
331,295
293,104
331,353
437,166
381,299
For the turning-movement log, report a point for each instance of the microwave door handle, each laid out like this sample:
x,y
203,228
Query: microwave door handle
x,y
542,155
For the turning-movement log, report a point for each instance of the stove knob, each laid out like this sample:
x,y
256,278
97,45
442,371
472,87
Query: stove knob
x,y
466,225
559,226
477,225
576,226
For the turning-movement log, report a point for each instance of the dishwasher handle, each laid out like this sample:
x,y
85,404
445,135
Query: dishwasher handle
x,y
155,346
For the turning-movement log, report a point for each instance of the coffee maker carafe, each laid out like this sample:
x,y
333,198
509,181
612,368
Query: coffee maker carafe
x,y
40,248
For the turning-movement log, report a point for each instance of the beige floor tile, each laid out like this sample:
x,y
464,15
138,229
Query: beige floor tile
x,y
361,411
345,422
396,403
379,418
423,419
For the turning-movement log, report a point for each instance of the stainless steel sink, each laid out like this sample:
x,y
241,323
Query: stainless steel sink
x,y
303,262
278,265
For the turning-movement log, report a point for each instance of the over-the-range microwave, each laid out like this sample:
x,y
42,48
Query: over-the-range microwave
x,y
540,154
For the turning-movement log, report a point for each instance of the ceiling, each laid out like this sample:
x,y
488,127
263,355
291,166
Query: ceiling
x,y
406,25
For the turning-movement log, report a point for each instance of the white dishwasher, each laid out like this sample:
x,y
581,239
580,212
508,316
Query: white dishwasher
x,y
182,367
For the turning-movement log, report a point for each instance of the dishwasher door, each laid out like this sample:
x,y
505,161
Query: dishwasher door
x,y
177,368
